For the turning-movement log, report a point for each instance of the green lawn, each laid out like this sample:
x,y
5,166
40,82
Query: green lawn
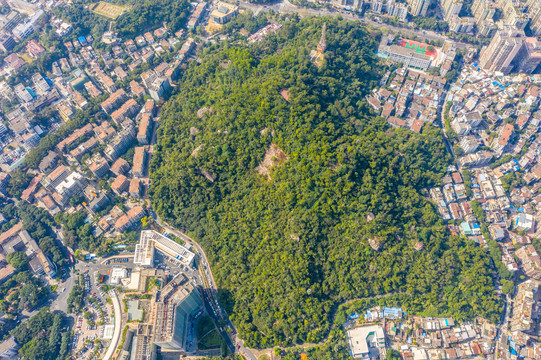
x,y
207,335
212,340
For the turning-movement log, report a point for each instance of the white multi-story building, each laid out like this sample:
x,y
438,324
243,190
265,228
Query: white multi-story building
x,y
28,26
151,241
22,93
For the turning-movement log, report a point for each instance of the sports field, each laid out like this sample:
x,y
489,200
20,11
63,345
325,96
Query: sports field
x,y
108,10
418,47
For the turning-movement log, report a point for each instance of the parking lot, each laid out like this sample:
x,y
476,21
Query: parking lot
x,y
173,267
86,331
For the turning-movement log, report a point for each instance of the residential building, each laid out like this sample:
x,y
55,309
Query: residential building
x,y
22,93
65,110
136,188
98,166
159,88
9,21
6,42
193,21
502,50
34,49
58,175
461,24
4,182
9,349
145,129
364,341
419,7
120,184
129,219
41,84
14,62
18,239
83,149
526,307
451,8
113,101
120,166
28,26
48,162
121,141
140,159
223,12
530,261
126,111
529,57
75,135
483,10
469,144
72,185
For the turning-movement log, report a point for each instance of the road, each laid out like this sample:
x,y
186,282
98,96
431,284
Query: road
x,y
502,327
118,325
60,301
285,6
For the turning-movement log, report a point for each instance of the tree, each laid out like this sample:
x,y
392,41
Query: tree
x,y
507,286
392,354
18,182
279,191
18,260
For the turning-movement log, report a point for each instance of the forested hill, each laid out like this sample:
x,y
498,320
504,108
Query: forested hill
x,y
287,245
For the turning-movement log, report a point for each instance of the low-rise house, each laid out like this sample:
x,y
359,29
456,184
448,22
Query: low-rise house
x,y
48,162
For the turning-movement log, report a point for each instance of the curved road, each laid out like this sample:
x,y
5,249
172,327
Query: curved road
x,y
118,325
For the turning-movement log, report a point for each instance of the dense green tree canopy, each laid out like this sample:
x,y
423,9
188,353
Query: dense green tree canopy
x,y
288,246
18,260
41,336
146,15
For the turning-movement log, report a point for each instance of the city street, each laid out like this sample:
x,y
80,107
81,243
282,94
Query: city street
x,y
285,6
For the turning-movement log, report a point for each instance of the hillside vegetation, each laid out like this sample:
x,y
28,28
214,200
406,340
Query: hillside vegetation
x,y
288,244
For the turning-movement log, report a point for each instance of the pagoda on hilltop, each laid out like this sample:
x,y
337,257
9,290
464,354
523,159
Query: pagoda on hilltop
x,y
322,45
317,56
